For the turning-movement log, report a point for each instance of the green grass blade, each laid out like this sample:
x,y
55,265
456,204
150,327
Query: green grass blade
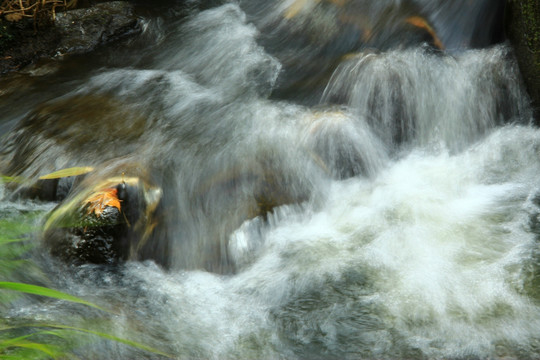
x,y
10,241
24,354
50,350
43,291
11,179
16,227
103,335
11,342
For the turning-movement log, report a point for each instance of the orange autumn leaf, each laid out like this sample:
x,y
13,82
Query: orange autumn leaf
x,y
101,199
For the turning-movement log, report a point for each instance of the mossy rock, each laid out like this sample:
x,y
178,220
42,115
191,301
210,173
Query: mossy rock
x,y
106,220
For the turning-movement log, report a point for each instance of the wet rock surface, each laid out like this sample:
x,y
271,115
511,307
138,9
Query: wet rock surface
x,y
93,240
89,128
83,30
104,221
73,32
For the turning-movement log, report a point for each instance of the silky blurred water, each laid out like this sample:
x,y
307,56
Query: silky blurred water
x,y
414,233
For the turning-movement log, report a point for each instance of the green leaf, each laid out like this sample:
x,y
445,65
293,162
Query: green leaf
x,y
43,291
74,171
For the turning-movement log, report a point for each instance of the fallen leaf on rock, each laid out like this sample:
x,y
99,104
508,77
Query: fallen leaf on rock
x,y
101,199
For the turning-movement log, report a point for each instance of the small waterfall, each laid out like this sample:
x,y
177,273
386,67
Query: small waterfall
x,y
421,96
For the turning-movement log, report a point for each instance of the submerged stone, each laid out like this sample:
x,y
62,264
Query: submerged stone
x,y
80,130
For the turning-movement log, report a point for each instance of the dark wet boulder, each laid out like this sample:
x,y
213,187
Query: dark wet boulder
x,y
72,32
109,218
20,45
523,31
90,240
105,221
82,130
83,30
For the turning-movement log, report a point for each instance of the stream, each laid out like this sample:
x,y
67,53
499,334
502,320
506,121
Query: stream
x,y
404,182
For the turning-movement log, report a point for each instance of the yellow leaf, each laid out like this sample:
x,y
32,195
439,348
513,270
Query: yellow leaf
x,y
74,171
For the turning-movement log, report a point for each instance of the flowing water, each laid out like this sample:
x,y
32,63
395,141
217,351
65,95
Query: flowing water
x,y
413,170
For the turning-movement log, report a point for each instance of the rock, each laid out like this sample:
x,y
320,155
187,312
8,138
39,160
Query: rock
x,y
83,30
106,222
523,31
21,45
73,32
90,129
91,240
108,218
100,136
